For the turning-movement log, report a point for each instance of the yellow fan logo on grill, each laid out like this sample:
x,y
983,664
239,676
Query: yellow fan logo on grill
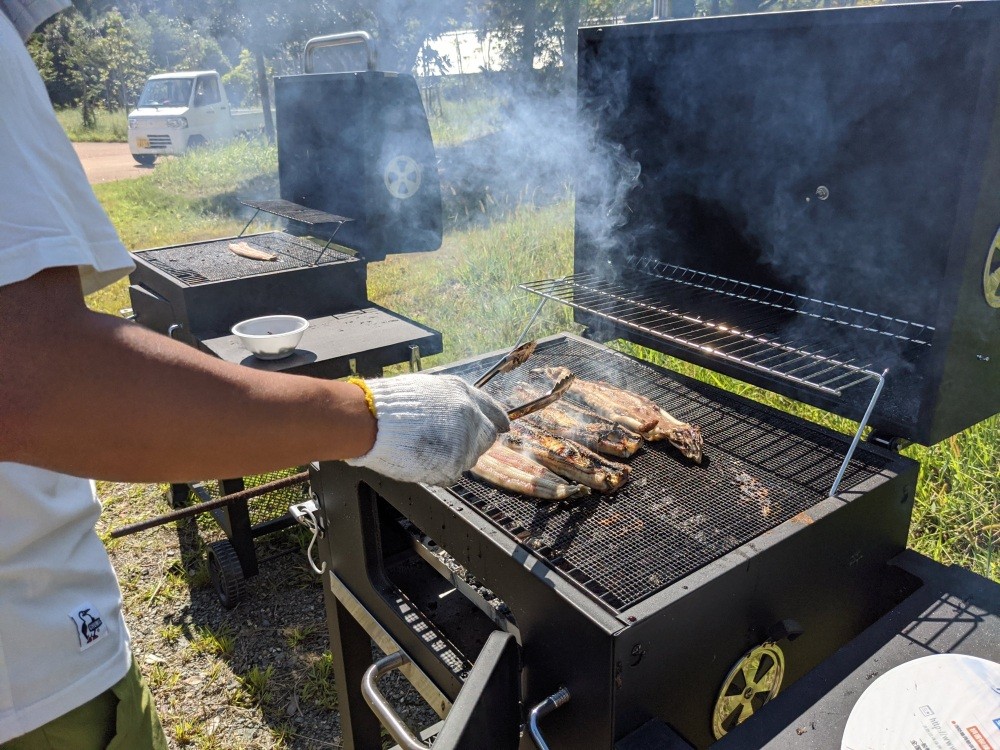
x,y
753,681
991,274
402,177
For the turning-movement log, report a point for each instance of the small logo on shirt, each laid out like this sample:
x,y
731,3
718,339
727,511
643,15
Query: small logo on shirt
x,y
89,625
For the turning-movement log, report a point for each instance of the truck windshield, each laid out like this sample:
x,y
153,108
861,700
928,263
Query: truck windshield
x,y
166,92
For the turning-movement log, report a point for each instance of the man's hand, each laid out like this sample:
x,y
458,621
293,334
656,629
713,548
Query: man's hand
x,y
430,428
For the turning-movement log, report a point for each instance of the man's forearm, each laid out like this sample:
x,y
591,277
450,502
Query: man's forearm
x,y
92,395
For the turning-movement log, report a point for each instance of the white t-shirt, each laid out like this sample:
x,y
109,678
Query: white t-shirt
x,y
62,636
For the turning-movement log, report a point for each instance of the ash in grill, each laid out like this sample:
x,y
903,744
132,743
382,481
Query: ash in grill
x,y
672,517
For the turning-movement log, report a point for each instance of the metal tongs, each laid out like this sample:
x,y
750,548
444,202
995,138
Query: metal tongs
x,y
513,359
562,385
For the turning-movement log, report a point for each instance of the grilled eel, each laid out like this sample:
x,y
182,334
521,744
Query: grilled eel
x,y
568,420
511,470
631,410
567,458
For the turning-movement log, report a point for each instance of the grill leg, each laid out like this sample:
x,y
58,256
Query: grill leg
x,y
351,648
235,521
179,495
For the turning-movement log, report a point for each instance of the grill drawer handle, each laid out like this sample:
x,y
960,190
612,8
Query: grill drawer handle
x,y
547,706
385,713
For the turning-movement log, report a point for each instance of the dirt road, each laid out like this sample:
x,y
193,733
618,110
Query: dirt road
x,y
104,162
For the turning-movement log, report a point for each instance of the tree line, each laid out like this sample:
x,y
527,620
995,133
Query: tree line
x,y
99,53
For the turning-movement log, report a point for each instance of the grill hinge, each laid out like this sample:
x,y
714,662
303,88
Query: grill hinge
x,y
889,442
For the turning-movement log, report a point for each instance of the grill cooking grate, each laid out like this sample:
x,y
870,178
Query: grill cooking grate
x,y
295,212
204,262
668,303
673,517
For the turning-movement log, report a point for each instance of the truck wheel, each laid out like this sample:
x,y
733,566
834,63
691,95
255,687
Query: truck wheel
x,y
196,141
145,160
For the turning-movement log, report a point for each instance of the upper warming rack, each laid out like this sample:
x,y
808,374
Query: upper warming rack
x,y
748,325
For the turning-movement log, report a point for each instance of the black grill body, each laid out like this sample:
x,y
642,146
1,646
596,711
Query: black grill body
x,y
849,157
782,222
639,604
206,289
358,145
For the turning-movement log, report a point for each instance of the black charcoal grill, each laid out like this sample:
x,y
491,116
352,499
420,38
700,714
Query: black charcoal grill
x,y
374,196
812,205
356,166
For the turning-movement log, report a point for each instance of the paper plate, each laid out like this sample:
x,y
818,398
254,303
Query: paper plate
x,y
941,702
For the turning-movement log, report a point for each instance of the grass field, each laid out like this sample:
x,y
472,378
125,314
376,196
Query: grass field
x,y
110,127
467,289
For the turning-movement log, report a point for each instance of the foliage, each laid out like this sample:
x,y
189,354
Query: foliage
x,y
242,86
94,64
537,38
105,127
100,54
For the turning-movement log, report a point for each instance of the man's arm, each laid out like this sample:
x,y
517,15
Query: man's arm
x,y
92,395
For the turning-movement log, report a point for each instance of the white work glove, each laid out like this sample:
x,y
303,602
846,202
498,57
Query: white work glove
x,y
431,428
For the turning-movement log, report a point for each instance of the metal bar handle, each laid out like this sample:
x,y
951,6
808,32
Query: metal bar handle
x,y
547,706
193,510
857,435
385,713
339,40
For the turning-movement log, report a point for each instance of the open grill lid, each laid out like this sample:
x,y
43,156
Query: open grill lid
x,y
811,198
359,145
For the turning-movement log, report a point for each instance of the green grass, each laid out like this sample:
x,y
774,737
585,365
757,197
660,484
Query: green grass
x,y
218,642
318,686
454,119
255,686
468,290
110,127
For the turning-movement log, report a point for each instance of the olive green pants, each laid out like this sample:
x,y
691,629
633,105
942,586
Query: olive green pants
x,y
122,718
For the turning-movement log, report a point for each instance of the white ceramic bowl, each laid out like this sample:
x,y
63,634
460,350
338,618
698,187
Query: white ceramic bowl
x,y
271,336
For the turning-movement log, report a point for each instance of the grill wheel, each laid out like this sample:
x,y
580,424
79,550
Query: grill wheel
x,y
227,574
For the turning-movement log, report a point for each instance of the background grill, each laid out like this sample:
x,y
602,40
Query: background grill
x,y
672,518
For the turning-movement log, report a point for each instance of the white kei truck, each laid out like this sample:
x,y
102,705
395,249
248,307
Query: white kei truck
x,y
178,111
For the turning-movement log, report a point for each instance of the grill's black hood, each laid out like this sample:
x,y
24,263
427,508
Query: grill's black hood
x,y
849,156
358,145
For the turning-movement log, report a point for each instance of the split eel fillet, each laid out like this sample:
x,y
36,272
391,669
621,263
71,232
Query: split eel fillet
x,y
567,458
567,420
510,470
633,411
246,250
